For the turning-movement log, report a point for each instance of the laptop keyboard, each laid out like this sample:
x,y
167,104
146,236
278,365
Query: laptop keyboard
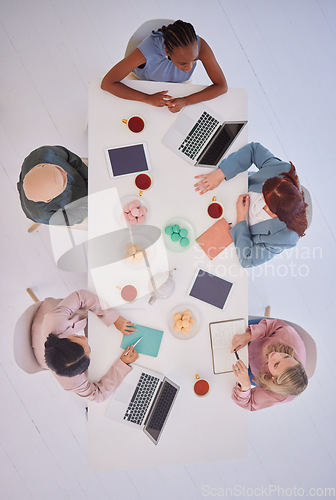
x,y
198,135
162,407
141,398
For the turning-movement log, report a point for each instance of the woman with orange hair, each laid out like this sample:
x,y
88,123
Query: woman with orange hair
x,y
274,206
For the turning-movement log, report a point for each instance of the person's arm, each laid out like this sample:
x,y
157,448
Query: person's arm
x,y
107,385
257,398
112,82
241,160
249,253
85,301
235,163
268,327
251,399
219,85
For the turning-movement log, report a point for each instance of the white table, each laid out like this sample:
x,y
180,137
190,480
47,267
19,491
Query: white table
x,y
198,429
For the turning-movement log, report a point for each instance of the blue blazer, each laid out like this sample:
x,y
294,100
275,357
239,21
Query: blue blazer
x,y
261,242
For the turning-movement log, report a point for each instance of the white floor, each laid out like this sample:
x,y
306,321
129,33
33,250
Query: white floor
x,y
283,53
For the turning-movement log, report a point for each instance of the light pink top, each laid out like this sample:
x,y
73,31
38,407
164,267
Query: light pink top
x,y
66,317
267,332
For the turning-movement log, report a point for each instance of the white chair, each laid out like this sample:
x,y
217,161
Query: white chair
x,y
310,345
308,200
22,346
144,30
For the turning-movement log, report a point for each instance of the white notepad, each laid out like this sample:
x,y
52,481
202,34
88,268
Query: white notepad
x,y
221,334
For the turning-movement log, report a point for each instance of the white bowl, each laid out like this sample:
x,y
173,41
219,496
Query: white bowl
x,y
194,314
175,246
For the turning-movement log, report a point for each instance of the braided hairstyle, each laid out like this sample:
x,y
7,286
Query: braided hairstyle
x,y
285,198
178,34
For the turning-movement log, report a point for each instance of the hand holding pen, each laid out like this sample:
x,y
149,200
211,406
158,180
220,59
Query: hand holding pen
x,y
241,340
129,355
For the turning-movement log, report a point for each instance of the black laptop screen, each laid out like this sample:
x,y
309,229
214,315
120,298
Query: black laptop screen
x,y
220,143
160,410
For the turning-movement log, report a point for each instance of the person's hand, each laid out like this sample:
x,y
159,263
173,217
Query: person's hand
x,y
241,373
124,326
209,181
241,340
159,99
129,355
175,105
243,204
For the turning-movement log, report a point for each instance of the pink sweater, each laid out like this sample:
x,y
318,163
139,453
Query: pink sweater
x,y
267,332
68,316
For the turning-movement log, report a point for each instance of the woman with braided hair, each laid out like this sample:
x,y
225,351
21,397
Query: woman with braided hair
x,y
169,54
274,206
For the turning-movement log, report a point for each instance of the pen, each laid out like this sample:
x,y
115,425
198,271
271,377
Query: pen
x,y
137,342
236,354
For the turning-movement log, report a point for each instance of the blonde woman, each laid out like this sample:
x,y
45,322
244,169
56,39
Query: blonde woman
x,y
277,357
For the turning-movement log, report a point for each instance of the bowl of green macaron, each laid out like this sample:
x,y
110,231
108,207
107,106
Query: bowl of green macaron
x,y
178,234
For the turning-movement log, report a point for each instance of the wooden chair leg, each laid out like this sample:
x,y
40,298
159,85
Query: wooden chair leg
x,y
32,294
33,227
267,312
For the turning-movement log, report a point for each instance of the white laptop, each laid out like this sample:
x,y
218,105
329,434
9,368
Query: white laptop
x,y
201,136
144,400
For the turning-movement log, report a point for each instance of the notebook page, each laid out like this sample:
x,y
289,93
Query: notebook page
x,y
221,338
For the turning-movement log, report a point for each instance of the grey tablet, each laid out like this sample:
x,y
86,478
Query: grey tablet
x,y
127,160
210,288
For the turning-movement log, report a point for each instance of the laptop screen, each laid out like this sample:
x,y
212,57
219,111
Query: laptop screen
x,y
221,142
160,410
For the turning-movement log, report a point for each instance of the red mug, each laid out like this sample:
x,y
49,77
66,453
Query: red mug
x,y
135,123
215,209
201,386
143,182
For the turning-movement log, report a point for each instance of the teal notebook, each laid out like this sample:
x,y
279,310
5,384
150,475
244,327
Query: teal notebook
x,y
150,344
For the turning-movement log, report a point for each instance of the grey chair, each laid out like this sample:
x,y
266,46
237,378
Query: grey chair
x,y
310,345
144,30
22,346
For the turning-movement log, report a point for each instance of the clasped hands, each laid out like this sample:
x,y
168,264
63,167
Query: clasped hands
x,y
240,370
160,99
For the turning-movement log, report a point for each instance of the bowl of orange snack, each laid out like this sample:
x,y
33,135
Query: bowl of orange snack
x,y
183,322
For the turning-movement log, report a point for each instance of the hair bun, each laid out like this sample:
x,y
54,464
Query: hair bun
x,y
51,341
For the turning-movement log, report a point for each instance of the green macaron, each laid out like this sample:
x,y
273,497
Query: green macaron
x,y
184,242
175,236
